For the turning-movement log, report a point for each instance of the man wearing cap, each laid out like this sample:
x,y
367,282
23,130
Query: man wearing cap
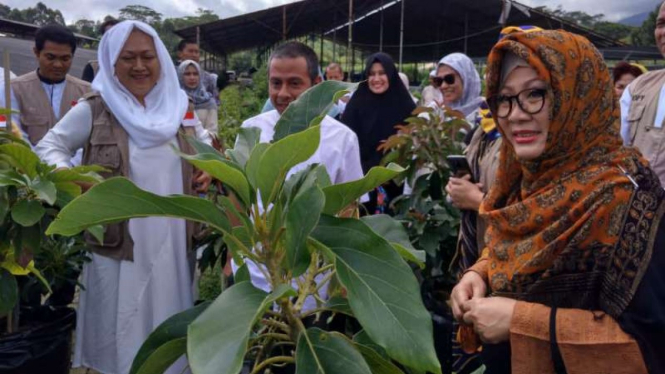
x,y
431,93
45,95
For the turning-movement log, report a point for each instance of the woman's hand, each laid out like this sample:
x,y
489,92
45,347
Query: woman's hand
x,y
470,287
491,317
464,194
201,181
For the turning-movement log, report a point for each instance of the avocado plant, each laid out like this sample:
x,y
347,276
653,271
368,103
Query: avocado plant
x,y
292,226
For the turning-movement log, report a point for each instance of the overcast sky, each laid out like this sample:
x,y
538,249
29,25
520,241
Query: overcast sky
x,y
97,9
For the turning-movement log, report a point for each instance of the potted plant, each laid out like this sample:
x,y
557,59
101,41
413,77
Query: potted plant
x,y
31,193
291,226
432,223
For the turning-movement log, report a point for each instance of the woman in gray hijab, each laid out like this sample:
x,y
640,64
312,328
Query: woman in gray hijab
x,y
459,83
205,106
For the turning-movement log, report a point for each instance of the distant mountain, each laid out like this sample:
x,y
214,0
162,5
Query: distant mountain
x,y
635,20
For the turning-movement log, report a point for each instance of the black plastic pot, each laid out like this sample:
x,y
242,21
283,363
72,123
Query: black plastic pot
x,y
43,344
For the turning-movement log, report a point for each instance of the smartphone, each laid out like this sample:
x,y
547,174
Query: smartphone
x,y
459,166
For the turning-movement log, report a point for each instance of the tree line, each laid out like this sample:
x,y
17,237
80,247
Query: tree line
x,y
639,36
41,15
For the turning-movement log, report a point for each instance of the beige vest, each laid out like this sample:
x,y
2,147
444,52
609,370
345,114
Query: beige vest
x,y
650,140
37,116
108,146
488,162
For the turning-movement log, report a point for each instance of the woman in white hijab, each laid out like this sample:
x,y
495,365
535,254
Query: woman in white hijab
x,y
124,301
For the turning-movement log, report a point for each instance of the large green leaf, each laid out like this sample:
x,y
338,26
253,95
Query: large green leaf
x,y
8,291
10,177
118,199
382,290
377,363
310,108
320,352
203,148
27,212
252,165
245,141
222,170
20,157
166,344
339,196
394,232
45,190
280,157
301,218
314,174
242,274
71,175
218,338
4,204
339,304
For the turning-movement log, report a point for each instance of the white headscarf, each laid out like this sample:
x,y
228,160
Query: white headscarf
x,y
463,65
165,105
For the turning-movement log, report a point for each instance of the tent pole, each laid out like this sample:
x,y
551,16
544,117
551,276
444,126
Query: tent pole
x,y
334,56
284,23
401,37
321,55
381,32
466,31
349,50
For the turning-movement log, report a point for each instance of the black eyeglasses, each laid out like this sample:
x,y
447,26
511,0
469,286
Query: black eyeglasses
x,y
449,79
531,101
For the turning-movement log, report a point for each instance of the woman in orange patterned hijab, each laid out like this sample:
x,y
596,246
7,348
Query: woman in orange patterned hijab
x,y
575,236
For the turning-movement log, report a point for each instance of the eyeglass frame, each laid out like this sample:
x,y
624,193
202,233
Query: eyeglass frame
x,y
448,78
492,101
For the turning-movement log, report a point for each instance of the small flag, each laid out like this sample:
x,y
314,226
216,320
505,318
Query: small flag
x,y
3,122
190,119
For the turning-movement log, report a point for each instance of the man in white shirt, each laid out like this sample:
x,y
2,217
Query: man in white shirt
x,y
292,69
643,109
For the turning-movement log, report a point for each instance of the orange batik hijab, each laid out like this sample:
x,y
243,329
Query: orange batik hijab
x,y
575,227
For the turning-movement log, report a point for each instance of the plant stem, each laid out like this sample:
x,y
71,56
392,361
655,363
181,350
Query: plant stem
x,y
304,292
280,325
324,281
313,311
272,361
325,268
276,336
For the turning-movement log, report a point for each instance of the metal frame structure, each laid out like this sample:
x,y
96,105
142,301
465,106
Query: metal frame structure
x,y
417,31
28,30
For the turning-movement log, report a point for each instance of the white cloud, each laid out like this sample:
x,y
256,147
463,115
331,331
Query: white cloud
x,y
613,10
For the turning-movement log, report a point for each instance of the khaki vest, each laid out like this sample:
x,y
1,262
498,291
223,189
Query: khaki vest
x,y
650,140
488,163
37,116
108,146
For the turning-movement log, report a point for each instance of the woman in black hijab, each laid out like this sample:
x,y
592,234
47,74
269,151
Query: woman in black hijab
x,y
378,105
